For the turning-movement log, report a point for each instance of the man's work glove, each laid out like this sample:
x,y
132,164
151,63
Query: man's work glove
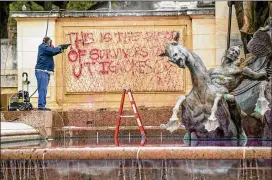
x,y
64,46
59,47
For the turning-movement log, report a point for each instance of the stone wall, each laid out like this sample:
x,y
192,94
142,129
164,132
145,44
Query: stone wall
x,y
108,59
9,77
135,62
93,71
209,35
8,63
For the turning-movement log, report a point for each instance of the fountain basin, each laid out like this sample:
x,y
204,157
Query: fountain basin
x,y
99,158
137,153
173,147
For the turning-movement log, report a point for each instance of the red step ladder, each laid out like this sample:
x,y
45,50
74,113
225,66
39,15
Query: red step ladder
x,y
137,116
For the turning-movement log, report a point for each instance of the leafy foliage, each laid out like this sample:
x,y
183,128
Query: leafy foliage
x,y
41,6
30,6
80,5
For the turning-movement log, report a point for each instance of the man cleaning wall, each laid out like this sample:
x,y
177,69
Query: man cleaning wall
x,y
45,67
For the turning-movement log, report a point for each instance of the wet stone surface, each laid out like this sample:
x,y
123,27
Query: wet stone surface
x,y
242,165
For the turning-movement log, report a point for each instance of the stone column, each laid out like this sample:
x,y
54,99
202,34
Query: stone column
x,y
30,33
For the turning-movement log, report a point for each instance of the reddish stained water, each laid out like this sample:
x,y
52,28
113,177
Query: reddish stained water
x,y
128,142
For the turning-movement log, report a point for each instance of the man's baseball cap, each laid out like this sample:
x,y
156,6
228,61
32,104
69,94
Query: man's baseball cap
x,y
46,39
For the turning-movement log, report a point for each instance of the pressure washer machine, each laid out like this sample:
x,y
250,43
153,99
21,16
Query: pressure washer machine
x,y
21,100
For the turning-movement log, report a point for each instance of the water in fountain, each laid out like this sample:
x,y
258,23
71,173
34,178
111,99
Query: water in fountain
x,y
136,169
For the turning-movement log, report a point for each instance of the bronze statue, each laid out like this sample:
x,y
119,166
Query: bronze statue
x,y
260,60
227,78
197,106
210,110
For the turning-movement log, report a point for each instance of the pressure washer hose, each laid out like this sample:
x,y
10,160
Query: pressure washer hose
x,y
33,93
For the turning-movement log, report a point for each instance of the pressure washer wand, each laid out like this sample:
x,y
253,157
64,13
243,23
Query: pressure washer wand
x,y
48,21
230,3
270,31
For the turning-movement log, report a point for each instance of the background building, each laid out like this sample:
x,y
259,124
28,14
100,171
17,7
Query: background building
x,y
117,48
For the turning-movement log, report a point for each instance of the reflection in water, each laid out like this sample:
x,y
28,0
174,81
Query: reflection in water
x,y
136,169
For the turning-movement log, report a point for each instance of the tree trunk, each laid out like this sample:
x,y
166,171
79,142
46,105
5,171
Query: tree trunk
x,y
4,15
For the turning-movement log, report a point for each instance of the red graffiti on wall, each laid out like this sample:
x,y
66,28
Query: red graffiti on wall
x,y
115,53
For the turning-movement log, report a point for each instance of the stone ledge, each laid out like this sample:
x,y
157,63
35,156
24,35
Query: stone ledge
x,y
102,153
131,131
99,118
8,139
68,13
42,121
20,144
13,129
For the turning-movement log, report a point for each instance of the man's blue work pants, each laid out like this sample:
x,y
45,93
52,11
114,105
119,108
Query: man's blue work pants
x,y
42,81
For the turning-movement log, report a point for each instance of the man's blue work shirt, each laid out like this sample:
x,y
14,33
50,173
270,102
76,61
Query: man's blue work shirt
x,y
45,59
